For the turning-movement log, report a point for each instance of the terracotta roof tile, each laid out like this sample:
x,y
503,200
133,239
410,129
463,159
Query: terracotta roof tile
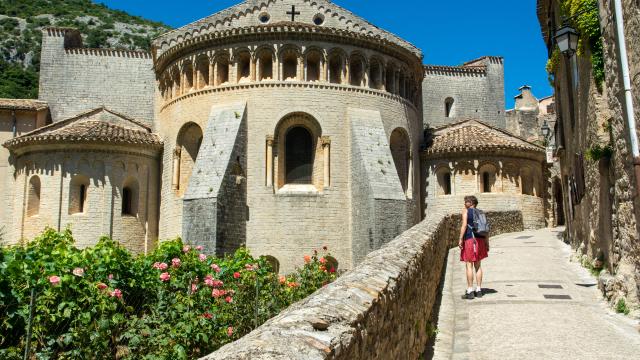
x,y
473,135
89,130
23,104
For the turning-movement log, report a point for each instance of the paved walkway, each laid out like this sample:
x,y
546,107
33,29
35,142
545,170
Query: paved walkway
x,y
517,319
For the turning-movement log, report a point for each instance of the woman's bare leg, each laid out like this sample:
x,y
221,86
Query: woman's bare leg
x,y
469,274
478,267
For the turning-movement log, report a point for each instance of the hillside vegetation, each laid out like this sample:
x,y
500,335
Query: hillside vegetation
x,y
21,22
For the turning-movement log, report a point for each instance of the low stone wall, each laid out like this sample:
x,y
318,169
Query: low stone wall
x,y
378,310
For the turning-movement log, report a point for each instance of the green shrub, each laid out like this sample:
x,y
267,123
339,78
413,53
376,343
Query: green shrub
x,y
103,302
621,307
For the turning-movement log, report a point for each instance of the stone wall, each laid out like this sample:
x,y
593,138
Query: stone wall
x,y
476,94
378,310
105,173
74,79
621,222
379,206
215,202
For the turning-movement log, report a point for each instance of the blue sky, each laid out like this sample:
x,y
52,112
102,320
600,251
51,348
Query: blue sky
x,y
449,33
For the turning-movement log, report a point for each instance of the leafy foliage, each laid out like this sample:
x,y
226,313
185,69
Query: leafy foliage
x,y
21,37
103,302
586,20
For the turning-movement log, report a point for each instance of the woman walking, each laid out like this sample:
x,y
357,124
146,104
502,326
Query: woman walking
x,y
473,248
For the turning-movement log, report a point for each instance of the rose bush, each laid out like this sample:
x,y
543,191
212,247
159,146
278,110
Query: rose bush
x,y
103,302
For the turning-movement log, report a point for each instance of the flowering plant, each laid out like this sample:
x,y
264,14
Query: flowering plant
x,y
104,302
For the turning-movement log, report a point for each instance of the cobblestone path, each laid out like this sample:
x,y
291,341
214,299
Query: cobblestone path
x,y
538,306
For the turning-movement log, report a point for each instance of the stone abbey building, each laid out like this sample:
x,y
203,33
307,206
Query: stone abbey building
x,y
282,125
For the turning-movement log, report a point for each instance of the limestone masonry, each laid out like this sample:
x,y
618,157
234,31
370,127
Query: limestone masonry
x,y
277,128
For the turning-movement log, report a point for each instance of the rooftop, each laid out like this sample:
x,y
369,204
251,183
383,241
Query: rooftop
x,y
474,135
99,125
23,104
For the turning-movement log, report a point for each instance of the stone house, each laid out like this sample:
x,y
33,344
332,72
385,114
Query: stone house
x,y
593,144
278,125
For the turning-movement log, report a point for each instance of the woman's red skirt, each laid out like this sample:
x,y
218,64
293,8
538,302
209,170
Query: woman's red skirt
x,y
473,253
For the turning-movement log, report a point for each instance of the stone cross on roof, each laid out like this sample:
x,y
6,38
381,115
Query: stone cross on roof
x,y
293,13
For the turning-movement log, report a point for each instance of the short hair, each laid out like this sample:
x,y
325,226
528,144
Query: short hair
x,y
473,199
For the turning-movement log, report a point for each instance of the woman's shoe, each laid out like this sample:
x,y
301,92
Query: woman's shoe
x,y
479,293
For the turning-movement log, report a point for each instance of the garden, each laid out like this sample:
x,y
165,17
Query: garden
x,y
103,302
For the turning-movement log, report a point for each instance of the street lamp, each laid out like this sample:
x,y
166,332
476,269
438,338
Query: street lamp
x,y
567,40
545,129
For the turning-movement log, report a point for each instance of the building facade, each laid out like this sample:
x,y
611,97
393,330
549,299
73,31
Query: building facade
x,y
281,125
593,142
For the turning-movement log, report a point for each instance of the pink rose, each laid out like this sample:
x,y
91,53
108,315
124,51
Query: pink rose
x,y
202,257
215,268
230,331
175,262
101,286
248,267
186,248
228,299
282,279
322,260
208,280
217,283
236,275
78,271
110,276
194,288
199,248
165,276
216,293
116,293
160,266
54,280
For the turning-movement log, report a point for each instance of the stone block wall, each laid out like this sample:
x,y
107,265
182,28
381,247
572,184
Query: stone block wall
x,y
378,310
379,203
215,203
74,79
102,213
476,94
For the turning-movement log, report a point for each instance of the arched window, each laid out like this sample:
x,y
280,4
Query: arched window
x,y
265,68
244,66
526,181
487,178
290,65
390,80
298,156
486,184
188,146
335,69
375,75
175,91
314,65
222,69
33,196
399,143
78,191
448,107
203,71
273,263
356,70
130,197
188,77
443,176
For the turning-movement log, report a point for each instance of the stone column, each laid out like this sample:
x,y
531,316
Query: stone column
x,y
175,182
365,76
269,171
323,71
326,148
212,73
347,70
410,176
258,68
194,76
300,72
252,70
